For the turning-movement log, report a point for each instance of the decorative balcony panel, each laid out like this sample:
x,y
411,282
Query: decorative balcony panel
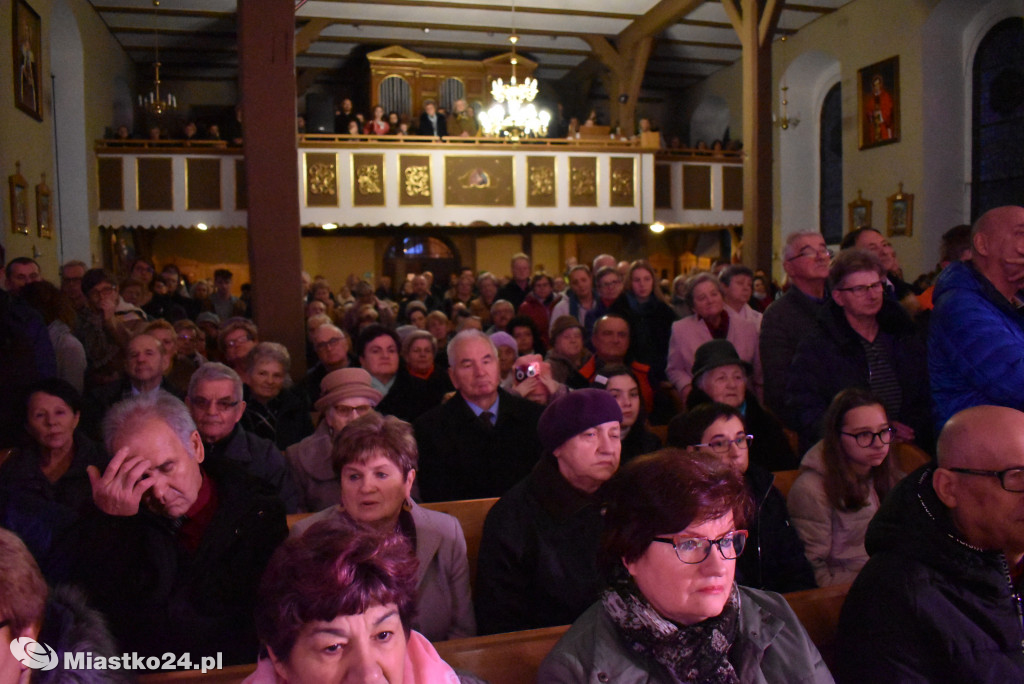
x,y
699,190
170,186
365,182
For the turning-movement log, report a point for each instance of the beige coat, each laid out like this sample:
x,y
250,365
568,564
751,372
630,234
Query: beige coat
x,y
833,540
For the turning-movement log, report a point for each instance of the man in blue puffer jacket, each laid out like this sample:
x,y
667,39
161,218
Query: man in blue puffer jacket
x,y
976,339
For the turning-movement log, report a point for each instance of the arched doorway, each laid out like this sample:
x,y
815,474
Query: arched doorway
x,y
406,256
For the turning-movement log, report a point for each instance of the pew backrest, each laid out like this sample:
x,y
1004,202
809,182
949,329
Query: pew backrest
x,y
509,658
471,514
784,480
818,611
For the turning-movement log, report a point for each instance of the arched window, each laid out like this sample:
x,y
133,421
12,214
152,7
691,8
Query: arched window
x,y
998,118
830,157
395,95
452,89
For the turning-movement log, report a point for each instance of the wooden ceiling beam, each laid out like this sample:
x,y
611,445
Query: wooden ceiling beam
x,y
656,20
309,33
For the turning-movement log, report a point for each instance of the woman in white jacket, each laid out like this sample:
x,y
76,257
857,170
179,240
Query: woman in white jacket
x,y
844,478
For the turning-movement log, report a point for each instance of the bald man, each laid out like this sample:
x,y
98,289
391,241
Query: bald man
x,y
976,338
938,599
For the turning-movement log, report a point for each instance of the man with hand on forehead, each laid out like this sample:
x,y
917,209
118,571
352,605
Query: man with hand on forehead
x,y
175,550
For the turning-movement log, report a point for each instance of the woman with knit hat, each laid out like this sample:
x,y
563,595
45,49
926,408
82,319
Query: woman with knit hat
x,y
538,557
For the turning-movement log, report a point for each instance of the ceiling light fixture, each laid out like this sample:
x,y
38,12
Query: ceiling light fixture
x,y
153,102
513,114
783,120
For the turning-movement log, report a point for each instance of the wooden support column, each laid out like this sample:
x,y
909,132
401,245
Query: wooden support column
x,y
756,26
266,48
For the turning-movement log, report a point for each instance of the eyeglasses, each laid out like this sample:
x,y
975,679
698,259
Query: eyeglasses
x,y
204,404
231,344
721,445
695,550
810,253
610,282
358,410
328,344
103,291
867,438
1012,479
861,290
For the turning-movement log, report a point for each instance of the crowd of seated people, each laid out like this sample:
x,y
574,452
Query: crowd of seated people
x,y
153,469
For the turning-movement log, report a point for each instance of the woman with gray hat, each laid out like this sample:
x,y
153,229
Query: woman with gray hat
x,y
719,374
538,556
345,394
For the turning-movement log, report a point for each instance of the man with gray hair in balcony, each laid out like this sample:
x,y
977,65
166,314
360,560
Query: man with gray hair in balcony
x,y
215,402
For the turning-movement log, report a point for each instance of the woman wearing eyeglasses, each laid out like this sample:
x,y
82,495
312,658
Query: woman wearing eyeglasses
x,y
673,612
776,560
844,478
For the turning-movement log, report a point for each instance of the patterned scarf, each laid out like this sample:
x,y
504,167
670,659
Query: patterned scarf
x,y
695,653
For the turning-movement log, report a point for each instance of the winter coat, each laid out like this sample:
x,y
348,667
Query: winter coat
x,y
444,609
161,598
928,607
833,359
691,332
71,626
774,557
975,345
460,458
771,647
538,556
786,322
650,328
833,539
312,470
540,313
258,457
284,420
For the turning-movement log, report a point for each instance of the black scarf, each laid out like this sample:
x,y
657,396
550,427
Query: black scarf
x,y
695,653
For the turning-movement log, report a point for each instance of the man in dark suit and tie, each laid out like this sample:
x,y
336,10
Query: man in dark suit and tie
x,y
481,441
431,122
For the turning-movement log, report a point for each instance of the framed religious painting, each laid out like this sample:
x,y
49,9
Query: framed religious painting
x,y
878,99
859,212
19,200
26,31
899,219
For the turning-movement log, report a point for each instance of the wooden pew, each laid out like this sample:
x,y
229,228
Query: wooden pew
x,y
229,675
515,657
471,514
818,610
784,480
909,457
510,658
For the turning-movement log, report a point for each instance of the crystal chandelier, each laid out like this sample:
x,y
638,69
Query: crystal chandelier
x,y
153,102
513,114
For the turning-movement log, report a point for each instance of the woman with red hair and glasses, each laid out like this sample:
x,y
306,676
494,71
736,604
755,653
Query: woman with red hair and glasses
x,y
336,605
673,528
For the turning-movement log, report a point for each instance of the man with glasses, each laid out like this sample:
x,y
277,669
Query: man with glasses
x,y
215,402
863,339
793,315
938,601
331,346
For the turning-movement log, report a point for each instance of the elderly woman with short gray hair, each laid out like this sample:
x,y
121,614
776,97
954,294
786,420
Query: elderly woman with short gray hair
x,y
273,410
